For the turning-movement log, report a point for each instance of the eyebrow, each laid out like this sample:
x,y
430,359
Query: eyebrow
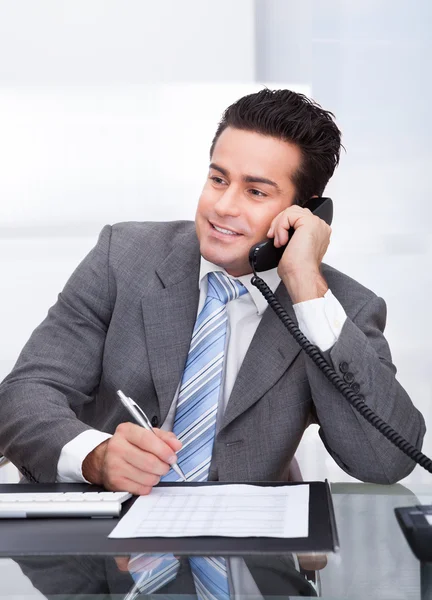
x,y
247,178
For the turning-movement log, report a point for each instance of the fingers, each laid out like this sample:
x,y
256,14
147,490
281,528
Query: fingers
x,y
169,438
149,442
292,217
281,231
126,485
281,224
119,475
136,459
139,476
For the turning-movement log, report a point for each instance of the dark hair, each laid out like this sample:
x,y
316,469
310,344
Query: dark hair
x,y
294,118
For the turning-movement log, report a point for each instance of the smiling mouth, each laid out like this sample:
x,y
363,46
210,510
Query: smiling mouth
x,y
224,231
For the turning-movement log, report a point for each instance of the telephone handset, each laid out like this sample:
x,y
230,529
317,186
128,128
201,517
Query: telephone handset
x,y
265,256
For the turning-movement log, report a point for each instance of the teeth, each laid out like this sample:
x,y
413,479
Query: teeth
x,y
227,231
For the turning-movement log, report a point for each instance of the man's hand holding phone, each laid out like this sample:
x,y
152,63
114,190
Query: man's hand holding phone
x,y
299,267
133,460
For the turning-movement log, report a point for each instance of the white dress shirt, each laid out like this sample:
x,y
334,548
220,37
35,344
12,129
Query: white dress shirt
x,y
320,320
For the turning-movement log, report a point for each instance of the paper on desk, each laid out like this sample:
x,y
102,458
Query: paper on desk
x,y
237,510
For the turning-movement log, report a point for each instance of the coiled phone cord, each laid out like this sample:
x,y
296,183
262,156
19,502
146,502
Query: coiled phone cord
x,y
354,399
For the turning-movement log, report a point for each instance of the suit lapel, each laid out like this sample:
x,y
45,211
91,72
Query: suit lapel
x,y
271,352
169,317
169,314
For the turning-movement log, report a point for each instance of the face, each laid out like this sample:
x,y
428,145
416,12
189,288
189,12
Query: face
x,y
248,184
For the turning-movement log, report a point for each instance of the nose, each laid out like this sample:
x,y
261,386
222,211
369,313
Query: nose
x,y
228,204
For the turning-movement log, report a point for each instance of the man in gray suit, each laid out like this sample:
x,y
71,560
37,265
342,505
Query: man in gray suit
x,y
126,316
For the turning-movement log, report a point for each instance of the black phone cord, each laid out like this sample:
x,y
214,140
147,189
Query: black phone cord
x,y
354,399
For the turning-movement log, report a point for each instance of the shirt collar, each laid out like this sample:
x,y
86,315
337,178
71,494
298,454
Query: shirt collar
x,y
271,278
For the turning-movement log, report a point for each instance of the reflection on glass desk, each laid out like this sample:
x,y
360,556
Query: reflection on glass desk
x,y
374,562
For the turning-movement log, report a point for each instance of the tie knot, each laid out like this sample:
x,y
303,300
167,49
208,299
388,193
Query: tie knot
x,y
224,288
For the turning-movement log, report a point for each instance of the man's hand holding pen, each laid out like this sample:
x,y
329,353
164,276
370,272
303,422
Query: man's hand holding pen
x,y
132,460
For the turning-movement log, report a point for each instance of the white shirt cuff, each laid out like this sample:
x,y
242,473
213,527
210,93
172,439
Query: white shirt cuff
x,y
69,466
321,320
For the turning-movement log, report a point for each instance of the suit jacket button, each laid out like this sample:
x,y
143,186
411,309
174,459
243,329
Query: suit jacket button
x,y
355,387
344,367
349,377
154,421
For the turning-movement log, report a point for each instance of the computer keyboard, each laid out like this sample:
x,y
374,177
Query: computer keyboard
x,y
61,504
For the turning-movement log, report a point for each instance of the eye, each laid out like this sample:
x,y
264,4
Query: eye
x,y
258,193
217,180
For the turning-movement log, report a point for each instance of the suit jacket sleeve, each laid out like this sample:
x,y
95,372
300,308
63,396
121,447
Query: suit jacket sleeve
x,y
362,354
58,370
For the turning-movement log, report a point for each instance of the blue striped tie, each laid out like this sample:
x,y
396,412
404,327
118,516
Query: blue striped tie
x,y
210,577
195,426
197,404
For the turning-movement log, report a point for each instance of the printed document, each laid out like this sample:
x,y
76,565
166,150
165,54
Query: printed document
x,y
238,510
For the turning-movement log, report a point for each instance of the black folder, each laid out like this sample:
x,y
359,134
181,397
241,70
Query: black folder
x,y
61,536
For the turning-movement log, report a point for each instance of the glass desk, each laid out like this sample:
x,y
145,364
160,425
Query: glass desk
x,y
374,561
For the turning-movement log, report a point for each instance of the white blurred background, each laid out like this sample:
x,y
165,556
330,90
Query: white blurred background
x,y
108,108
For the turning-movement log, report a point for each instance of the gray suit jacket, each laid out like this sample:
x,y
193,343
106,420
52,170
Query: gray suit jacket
x,y
124,320
82,576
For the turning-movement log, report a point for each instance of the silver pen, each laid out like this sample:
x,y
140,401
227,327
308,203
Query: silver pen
x,y
141,418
